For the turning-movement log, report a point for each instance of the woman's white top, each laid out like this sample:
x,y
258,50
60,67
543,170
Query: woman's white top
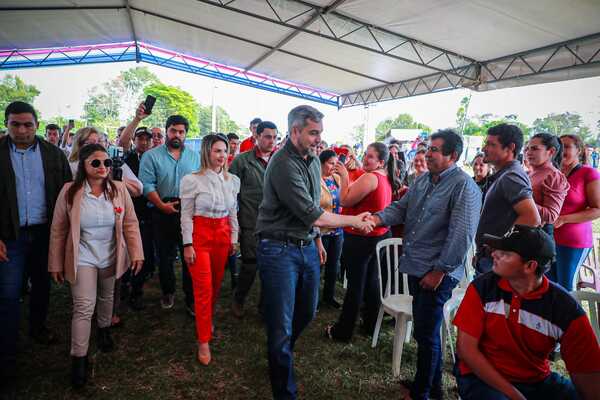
x,y
208,195
127,174
97,243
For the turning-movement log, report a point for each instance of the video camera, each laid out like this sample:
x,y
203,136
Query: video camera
x,y
117,164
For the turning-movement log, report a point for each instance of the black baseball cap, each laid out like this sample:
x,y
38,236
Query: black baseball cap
x,y
528,242
143,131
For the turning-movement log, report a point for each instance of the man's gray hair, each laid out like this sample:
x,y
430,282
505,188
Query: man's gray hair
x,y
298,116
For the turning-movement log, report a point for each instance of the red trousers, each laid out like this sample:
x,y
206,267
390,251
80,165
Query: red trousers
x,y
211,239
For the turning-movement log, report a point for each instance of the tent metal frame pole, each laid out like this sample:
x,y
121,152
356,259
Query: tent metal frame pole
x,y
133,33
230,6
246,40
313,18
126,52
453,70
521,65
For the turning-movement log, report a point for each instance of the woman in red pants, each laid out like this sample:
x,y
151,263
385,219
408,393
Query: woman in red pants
x,y
209,228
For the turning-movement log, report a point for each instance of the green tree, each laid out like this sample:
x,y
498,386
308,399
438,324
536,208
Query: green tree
x,y
134,80
224,122
402,121
172,100
102,108
564,123
13,88
108,104
461,113
479,124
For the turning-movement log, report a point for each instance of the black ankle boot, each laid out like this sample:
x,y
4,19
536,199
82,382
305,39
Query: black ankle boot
x,y
79,371
104,341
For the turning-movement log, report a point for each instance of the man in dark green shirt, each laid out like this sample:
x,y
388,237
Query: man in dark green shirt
x,y
287,255
250,167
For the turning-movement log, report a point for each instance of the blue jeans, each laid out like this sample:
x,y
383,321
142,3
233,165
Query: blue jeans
x,y
290,277
427,319
567,263
333,247
28,253
554,387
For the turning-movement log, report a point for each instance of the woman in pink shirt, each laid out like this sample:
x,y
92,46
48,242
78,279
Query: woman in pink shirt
x,y
573,228
549,185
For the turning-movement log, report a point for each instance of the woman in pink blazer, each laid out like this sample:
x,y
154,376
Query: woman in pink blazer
x,y
93,236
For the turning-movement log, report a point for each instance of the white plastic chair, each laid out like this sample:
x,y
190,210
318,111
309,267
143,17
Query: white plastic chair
x,y
453,303
588,274
593,300
395,300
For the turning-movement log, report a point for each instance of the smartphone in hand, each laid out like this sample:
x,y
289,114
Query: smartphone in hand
x,y
149,104
71,123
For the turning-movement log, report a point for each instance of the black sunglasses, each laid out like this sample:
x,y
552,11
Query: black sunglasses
x,y
96,163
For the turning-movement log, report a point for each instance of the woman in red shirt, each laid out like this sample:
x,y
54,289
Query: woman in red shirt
x,y
371,192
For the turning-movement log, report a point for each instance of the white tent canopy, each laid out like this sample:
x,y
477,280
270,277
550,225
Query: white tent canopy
x,y
353,51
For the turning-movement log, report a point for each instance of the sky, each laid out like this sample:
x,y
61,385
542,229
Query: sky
x,y
64,90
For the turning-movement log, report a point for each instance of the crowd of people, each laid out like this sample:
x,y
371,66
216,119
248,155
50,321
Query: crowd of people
x,y
77,210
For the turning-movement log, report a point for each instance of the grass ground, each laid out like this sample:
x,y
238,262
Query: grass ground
x,y
155,358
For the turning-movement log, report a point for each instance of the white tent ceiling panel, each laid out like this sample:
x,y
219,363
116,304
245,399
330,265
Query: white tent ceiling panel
x,y
374,65
481,29
62,3
289,11
212,18
317,75
189,40
56,29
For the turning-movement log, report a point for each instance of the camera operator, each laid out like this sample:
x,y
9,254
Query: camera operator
x,y
142,142
125,138
90,135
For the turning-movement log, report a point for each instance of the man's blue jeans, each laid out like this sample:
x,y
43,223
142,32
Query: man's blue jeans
x,y
290,277
427,319
29,252
554,387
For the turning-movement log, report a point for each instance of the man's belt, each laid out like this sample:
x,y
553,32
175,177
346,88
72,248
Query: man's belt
x,y
285,239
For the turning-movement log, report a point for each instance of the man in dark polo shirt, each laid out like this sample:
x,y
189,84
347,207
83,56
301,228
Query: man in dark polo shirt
x,y
287,256
512,318
509,199
250,167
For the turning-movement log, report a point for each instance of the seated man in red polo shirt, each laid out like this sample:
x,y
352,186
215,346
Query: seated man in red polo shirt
x,y
512,318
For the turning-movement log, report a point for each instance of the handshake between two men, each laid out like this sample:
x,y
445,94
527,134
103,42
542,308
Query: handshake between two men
x,y
366,222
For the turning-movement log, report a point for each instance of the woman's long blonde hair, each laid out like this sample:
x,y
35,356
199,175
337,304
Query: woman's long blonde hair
x,y
79,141
207,143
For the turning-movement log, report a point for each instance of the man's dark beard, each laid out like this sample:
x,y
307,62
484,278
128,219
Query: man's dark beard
x,y
175,143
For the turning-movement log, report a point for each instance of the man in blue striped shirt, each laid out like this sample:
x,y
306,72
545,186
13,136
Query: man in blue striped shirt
x,y
440,213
